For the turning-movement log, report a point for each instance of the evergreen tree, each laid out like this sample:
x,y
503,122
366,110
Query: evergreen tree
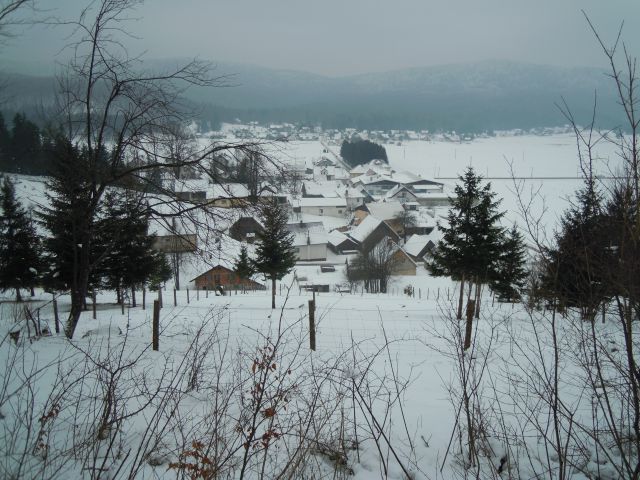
x,y
66,219
5,140
275,254
471,242
362,151
576,273
508,272
243,267
25,148
19,244
129,259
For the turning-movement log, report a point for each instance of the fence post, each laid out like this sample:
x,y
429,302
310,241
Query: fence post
x,y
155,340
175,298
197,293
55,313
160,295
144,298
312,325
206,290
438,297
187,296
93,300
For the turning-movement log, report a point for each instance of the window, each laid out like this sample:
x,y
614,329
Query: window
x,y
321,211
339,211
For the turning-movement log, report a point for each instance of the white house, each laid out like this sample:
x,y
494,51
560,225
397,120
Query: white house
x,y
331,207
309,240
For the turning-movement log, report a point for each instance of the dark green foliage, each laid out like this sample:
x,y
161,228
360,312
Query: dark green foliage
x,y
161,273
5,139
472,240
243,266
67,219
129,260
19,244
578,268
362,151
509,272
275,255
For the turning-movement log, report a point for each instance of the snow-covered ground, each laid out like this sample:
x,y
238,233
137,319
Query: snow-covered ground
x,y
385,375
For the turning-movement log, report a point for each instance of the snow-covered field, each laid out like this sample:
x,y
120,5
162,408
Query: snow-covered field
x,y
235,383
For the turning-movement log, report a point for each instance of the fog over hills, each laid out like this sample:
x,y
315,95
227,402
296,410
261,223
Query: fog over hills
x,y
474,97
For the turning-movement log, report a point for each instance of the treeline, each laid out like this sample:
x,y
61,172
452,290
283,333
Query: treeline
x,y
360,151
121,254
24,147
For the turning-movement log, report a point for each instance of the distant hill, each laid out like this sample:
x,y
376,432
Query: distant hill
x,y
466,97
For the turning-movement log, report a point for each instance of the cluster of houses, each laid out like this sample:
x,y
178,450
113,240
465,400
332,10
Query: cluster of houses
x,y
336,213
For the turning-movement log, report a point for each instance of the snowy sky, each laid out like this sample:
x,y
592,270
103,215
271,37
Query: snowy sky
x,y
342,37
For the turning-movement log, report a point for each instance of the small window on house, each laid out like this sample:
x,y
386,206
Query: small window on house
x,y
321,211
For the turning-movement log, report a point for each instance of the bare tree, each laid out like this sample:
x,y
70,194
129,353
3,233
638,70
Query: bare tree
x,y
126,121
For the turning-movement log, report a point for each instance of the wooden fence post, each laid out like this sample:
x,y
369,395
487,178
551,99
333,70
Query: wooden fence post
x,y
55,314
93,300
175,298
312,325
155,339
144,298
187,296
197,293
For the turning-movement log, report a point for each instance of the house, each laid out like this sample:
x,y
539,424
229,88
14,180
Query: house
x,y
221,276
245,229
341,244
388,211
331,207
370,232
418,246
228,195
175,243
403,264
309,240
401,193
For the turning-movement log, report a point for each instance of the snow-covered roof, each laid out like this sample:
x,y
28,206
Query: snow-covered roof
x,y
336,237
385,210
319,202
228,190
311,233
364,229
417,243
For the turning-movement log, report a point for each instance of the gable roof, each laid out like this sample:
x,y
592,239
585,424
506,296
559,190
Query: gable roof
x,y
385,210
365,228
309,233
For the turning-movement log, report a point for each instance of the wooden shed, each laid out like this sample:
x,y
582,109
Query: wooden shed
x,y
226,278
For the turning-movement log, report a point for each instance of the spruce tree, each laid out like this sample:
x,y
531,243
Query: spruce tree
x,y
129,261
19,244
471,241
576,273
275,254
509,273
243,267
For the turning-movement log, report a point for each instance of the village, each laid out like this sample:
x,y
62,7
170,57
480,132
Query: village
x,y
335,212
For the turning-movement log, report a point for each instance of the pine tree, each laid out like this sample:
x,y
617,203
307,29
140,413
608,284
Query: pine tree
x,y
275,254
576,274
19,244
471,241
243,267
509,273
129,259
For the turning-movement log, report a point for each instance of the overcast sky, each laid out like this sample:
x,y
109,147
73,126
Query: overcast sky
x,y
342,37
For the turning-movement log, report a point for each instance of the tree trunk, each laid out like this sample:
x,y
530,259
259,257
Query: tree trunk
x,y
461,299
273,293
478,290
133,297
80,284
